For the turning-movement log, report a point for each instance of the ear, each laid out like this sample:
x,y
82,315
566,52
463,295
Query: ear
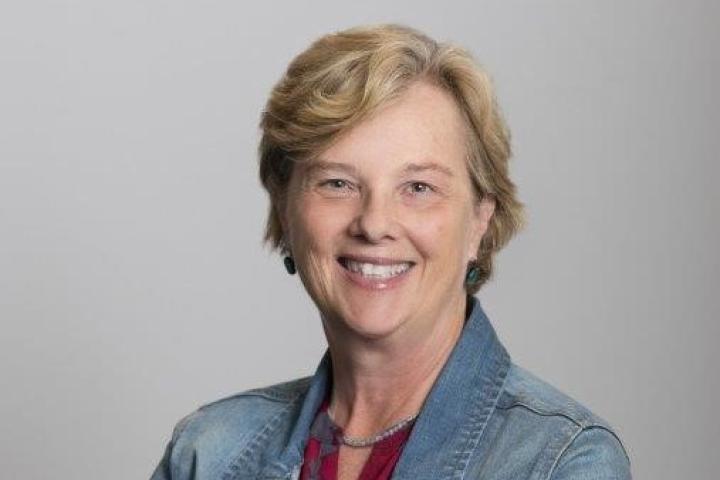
x,y
281,216
483,213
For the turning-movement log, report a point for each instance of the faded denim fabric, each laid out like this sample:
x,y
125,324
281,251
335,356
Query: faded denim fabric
x,y
485,418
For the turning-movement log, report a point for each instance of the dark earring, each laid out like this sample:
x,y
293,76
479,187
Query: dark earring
x,y
472,276
290,265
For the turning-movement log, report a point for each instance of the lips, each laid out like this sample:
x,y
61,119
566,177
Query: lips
x,y
374,269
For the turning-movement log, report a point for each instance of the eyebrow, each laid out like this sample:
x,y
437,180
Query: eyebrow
x,y
322,165
420,167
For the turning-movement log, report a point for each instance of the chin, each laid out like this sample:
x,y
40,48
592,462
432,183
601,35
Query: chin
x,y
371,320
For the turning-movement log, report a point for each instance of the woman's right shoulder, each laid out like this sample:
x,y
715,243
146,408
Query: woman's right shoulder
x,y
241,412
218,431
247,406
272,395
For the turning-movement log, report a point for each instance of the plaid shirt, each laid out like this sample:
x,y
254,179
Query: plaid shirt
x,y
323,448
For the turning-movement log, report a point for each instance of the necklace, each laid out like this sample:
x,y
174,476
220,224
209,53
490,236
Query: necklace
x,y
360,442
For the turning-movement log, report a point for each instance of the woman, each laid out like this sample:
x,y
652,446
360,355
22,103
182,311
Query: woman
x,y
385,159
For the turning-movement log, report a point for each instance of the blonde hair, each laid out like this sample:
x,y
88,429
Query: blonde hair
x,y
344,77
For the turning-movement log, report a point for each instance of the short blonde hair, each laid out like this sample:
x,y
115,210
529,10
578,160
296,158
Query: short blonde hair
x,y
344,77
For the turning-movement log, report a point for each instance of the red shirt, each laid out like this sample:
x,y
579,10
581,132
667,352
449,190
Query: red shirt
x,y
323,447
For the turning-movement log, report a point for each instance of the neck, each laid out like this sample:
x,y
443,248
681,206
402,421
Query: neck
x,y
377,382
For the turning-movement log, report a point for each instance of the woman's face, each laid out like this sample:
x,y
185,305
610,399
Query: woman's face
x,y
383,223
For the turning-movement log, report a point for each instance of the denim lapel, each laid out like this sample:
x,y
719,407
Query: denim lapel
x,y
459,405
453,416
288,462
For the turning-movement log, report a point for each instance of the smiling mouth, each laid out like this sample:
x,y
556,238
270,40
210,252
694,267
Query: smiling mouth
x,y
375,271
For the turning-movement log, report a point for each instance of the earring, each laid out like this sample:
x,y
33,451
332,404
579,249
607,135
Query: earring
x,y
472,276
290,265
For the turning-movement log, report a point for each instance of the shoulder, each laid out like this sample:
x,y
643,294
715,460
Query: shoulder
x,y
208,440
525,390
245,409
570,440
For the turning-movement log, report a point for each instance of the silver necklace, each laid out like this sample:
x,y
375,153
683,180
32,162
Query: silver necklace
x,y
360,442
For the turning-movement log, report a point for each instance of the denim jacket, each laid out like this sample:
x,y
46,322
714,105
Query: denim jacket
x,y
485,418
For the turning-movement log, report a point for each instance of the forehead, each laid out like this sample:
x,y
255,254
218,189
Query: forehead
x,y
424,125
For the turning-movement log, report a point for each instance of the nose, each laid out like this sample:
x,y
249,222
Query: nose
x,y
375,219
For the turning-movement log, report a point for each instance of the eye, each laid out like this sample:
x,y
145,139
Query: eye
x,y
335,184
420,188
336,188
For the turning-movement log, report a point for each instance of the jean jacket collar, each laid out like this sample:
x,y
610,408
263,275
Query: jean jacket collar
x,y
453,417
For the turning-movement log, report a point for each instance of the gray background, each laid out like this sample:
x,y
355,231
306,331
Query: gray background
x,y
134,286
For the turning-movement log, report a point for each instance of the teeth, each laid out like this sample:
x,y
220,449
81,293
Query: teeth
x,y
377,271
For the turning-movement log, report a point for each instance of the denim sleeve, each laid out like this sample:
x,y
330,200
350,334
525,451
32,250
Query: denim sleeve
x,y
162,472
594,454
174,465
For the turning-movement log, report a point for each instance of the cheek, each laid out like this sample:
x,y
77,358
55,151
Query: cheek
x,y
441,235
428,236
314,228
